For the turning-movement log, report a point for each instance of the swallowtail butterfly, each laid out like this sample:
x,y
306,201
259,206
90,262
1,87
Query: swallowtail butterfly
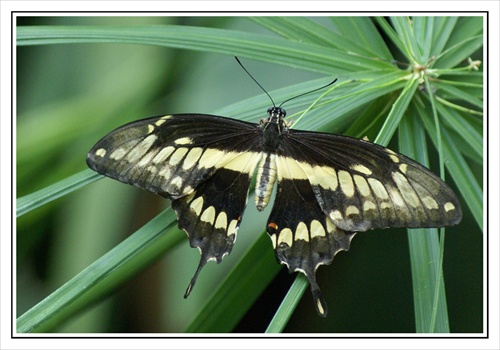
x,y
329,186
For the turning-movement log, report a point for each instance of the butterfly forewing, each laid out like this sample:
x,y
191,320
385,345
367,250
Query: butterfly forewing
x,y
361,185
203,163
172,155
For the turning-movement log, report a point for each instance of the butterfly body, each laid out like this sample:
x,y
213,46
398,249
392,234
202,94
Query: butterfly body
x,y
273,129
328,186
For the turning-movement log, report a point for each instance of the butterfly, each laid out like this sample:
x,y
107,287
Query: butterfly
x,y
328,186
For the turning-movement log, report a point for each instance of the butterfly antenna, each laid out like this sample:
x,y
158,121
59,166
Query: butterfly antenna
x,y
250,75
282,103
308,92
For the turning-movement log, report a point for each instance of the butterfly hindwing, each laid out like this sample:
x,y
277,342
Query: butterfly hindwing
x,y
303,236
211,215
362,186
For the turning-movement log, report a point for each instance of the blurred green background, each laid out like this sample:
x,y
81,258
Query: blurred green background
x,y
70,95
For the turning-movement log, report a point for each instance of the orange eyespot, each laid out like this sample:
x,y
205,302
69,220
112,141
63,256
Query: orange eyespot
x,y
272,225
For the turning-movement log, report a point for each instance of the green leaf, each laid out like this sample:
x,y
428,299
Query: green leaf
x,y
230,302
463,128
410,47
397,112
288,305
37,199
298,29
424,247
104,275
426,270
261,47
453,92
362,34
459,170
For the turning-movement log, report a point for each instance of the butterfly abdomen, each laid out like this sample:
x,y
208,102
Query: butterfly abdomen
x,y
266,177
272,132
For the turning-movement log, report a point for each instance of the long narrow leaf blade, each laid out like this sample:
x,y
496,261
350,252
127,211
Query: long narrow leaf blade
x,y
288,304
103,275
37,199
424,247
459,170
397,112
320,59
220,314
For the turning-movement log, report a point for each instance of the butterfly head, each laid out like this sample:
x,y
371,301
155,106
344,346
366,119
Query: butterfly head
x,y
276,115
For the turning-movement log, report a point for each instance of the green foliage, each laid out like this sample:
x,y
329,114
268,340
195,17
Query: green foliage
x,y
105,75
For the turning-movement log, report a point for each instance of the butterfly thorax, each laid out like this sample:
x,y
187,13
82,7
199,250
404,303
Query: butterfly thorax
x,y
273,130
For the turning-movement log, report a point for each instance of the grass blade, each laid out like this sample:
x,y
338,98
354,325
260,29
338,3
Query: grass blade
x,y
458,168
37,199
397,112
288,304
260,47
104,275
363,34
426,269
298,29
424,248
237,293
